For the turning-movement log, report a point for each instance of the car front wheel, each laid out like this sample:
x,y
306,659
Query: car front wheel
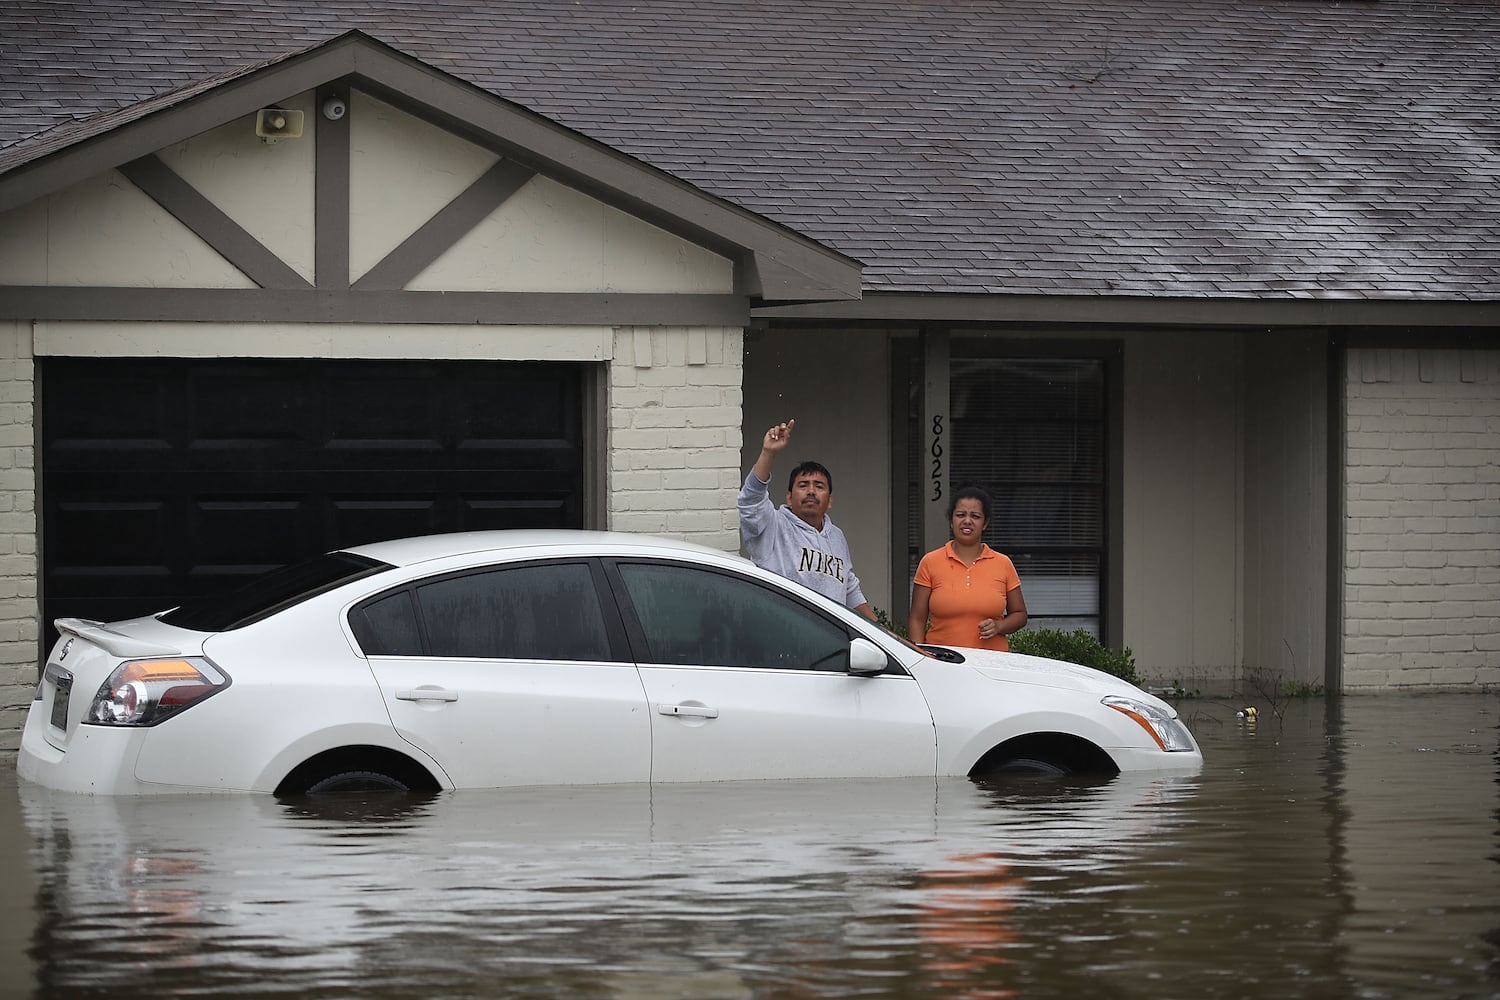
x,y
1029,767
1044,755
356,781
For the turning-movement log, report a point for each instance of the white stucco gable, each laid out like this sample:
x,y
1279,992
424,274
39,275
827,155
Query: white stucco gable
x,y
545,237
106,232
405,155
551,238
266,187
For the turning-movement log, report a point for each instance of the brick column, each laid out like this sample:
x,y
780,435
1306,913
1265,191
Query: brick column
x,y
675,423
1422,528
18,532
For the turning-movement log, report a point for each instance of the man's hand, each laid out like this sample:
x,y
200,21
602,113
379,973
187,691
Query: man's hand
x,y
776,439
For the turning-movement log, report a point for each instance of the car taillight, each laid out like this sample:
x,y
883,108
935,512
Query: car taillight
x,y
144,692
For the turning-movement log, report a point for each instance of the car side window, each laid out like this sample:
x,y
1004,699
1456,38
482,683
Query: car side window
x,y
538,611
387,626
694,616
535,611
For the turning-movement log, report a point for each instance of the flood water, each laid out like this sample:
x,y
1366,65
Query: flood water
x,y
1350,849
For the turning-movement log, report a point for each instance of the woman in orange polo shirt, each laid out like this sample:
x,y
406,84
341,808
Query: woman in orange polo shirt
x,y
970,592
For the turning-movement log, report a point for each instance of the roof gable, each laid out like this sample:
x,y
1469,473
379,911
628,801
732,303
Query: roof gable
x,y
775,263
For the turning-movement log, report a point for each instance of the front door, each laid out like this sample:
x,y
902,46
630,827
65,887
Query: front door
x,y
746,681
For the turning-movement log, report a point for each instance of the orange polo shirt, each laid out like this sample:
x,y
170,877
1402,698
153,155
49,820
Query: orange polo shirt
x,y
964,595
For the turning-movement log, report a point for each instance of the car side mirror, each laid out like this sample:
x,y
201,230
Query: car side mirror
x,y
866,659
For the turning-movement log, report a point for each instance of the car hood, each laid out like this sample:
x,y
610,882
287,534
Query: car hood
x,y
1018,668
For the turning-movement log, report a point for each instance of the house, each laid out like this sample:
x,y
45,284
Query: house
x,y
1206,292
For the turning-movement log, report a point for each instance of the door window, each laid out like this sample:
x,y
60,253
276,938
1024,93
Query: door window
x,y
539,611
694,616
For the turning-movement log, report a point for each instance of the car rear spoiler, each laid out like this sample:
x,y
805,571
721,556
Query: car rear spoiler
x,y
112,642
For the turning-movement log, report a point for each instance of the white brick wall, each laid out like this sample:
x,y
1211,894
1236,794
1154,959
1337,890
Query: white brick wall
x,y
18,566
1422,528
674,433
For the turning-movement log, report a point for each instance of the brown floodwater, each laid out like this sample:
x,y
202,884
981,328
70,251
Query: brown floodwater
x,y
1349,848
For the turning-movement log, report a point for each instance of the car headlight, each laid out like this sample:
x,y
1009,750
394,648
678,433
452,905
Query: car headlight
x,y
144,692
1169,733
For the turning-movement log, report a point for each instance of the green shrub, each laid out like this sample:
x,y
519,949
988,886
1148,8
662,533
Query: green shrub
x,y
1077,646
884,619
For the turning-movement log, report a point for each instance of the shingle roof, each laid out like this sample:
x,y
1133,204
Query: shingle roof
x,y
1198,148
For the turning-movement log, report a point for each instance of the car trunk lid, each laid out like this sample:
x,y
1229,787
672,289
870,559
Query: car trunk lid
x,y
83,658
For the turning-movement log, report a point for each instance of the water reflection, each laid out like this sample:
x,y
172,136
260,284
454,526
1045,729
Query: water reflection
x,y
1347,853
538,882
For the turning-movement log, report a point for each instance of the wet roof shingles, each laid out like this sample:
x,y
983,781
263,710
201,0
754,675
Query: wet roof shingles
x,y
1268,148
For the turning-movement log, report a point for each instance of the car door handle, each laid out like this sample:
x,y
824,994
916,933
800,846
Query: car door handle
x,y
425,694
688,711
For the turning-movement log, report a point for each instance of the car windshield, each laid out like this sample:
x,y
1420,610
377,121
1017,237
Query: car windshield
x,y
265,595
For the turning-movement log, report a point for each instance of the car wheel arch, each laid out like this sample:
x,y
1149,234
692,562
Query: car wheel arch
x,y
367,758
1045,753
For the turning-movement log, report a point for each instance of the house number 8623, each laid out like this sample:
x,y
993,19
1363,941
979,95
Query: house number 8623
x,y
937,458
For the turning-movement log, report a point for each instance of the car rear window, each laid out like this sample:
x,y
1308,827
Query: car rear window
x,y
274,591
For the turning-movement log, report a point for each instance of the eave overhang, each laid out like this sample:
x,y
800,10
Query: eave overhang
x,y
1119,311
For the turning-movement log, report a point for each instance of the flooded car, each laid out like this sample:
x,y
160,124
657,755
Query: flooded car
x,y
515,658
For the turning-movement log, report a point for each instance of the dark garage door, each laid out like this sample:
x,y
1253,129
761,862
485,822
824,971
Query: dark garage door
x,y
167,478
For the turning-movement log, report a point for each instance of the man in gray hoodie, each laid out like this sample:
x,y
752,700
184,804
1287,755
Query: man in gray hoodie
x,y
798,540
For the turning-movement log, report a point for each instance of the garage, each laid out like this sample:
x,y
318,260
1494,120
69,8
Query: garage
x,y
164,478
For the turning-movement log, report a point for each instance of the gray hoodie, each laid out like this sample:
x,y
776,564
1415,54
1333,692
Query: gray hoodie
x,y
778,540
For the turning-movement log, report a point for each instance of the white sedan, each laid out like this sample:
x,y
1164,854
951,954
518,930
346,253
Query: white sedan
x,y
509,658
